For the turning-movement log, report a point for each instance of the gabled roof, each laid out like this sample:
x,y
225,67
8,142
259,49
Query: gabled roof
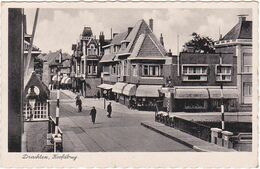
x,y
143,43
92,40
35,81
118,38
53,57
242,30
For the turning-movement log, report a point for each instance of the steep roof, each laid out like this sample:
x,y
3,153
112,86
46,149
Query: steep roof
x,y
52,57
35,81
143,43
107,58
242,30
87,32
118,38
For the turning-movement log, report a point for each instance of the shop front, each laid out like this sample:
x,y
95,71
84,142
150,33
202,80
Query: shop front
x,y
106,91
147,96
118,92
230,99
129,95
191,100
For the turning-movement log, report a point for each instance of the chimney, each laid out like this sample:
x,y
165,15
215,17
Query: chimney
x,y
169,53
161,40
129,30
101,38
241,18
151,24
220,36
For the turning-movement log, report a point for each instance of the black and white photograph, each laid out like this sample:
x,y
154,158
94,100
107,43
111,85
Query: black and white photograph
x,y
159,78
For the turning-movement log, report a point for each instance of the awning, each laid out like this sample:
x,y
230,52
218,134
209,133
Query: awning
x,y
54,78
227,93
187,93
230,93
63,79
105,86
148,91
68,81
118,87
129,90
215,93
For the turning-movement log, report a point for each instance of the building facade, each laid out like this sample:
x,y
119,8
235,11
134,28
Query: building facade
x,y
132,65
85,70
198,82
238,41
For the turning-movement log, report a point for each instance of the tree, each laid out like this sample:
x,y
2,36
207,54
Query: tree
x,y
199,44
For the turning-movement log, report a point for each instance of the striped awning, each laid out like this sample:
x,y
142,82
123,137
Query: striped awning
x,y
105,86
118,87
188,93
55,78
227,93
68,81
148,91
129,90
63,79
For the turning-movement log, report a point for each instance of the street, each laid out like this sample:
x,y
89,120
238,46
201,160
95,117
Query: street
x,y
121,133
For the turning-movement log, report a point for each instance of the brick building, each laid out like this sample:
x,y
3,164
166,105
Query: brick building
x,y
194,83
133,66
85,70
238,41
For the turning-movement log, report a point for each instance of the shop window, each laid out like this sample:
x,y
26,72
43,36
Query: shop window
x,y
247,89
94,68
194,104
247,62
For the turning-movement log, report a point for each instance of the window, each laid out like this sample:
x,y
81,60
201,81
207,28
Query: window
x,y
223,72
89,69
194,72
125,68
114,70
195,104
247,62
94,69
247,89
40,112
134,70
145,72
151,70
92,50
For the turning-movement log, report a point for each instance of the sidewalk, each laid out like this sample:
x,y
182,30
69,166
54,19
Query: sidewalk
x,y
184,138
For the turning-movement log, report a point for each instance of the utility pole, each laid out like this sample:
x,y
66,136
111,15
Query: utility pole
x,y
58,99
222,96
31,43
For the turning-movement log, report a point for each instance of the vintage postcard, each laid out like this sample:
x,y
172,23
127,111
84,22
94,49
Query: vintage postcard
x,y
129,84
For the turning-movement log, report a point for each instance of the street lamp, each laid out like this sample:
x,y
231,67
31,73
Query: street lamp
x,y
104,93
32,96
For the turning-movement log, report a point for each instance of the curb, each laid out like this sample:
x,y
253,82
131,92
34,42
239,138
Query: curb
x,y
174,138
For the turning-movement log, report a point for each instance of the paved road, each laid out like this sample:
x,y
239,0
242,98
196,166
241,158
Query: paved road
x,y
121,133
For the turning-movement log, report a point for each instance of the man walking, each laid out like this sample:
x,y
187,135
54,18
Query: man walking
x,y
109,110
79,103
93,114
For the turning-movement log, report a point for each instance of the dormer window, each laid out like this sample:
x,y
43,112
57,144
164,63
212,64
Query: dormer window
x,y
92,50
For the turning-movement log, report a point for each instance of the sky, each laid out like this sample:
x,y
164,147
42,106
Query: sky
x,y
60,28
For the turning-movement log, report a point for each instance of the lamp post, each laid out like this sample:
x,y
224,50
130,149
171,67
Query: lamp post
x,y
104,93
31,96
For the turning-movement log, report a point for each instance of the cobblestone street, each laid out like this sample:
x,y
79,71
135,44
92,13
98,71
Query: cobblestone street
x,y
121,133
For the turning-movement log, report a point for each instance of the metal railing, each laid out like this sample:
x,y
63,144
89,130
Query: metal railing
x,y
51,131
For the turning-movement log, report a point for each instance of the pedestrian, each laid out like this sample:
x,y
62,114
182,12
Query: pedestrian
x,y
98,94
79,103
109,110
93,114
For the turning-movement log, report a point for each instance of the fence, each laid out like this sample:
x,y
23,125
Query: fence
x,y
242,142
198,130
51,131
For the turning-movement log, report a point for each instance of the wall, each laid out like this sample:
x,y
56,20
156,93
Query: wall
x,y
36,135
92,83
15,78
